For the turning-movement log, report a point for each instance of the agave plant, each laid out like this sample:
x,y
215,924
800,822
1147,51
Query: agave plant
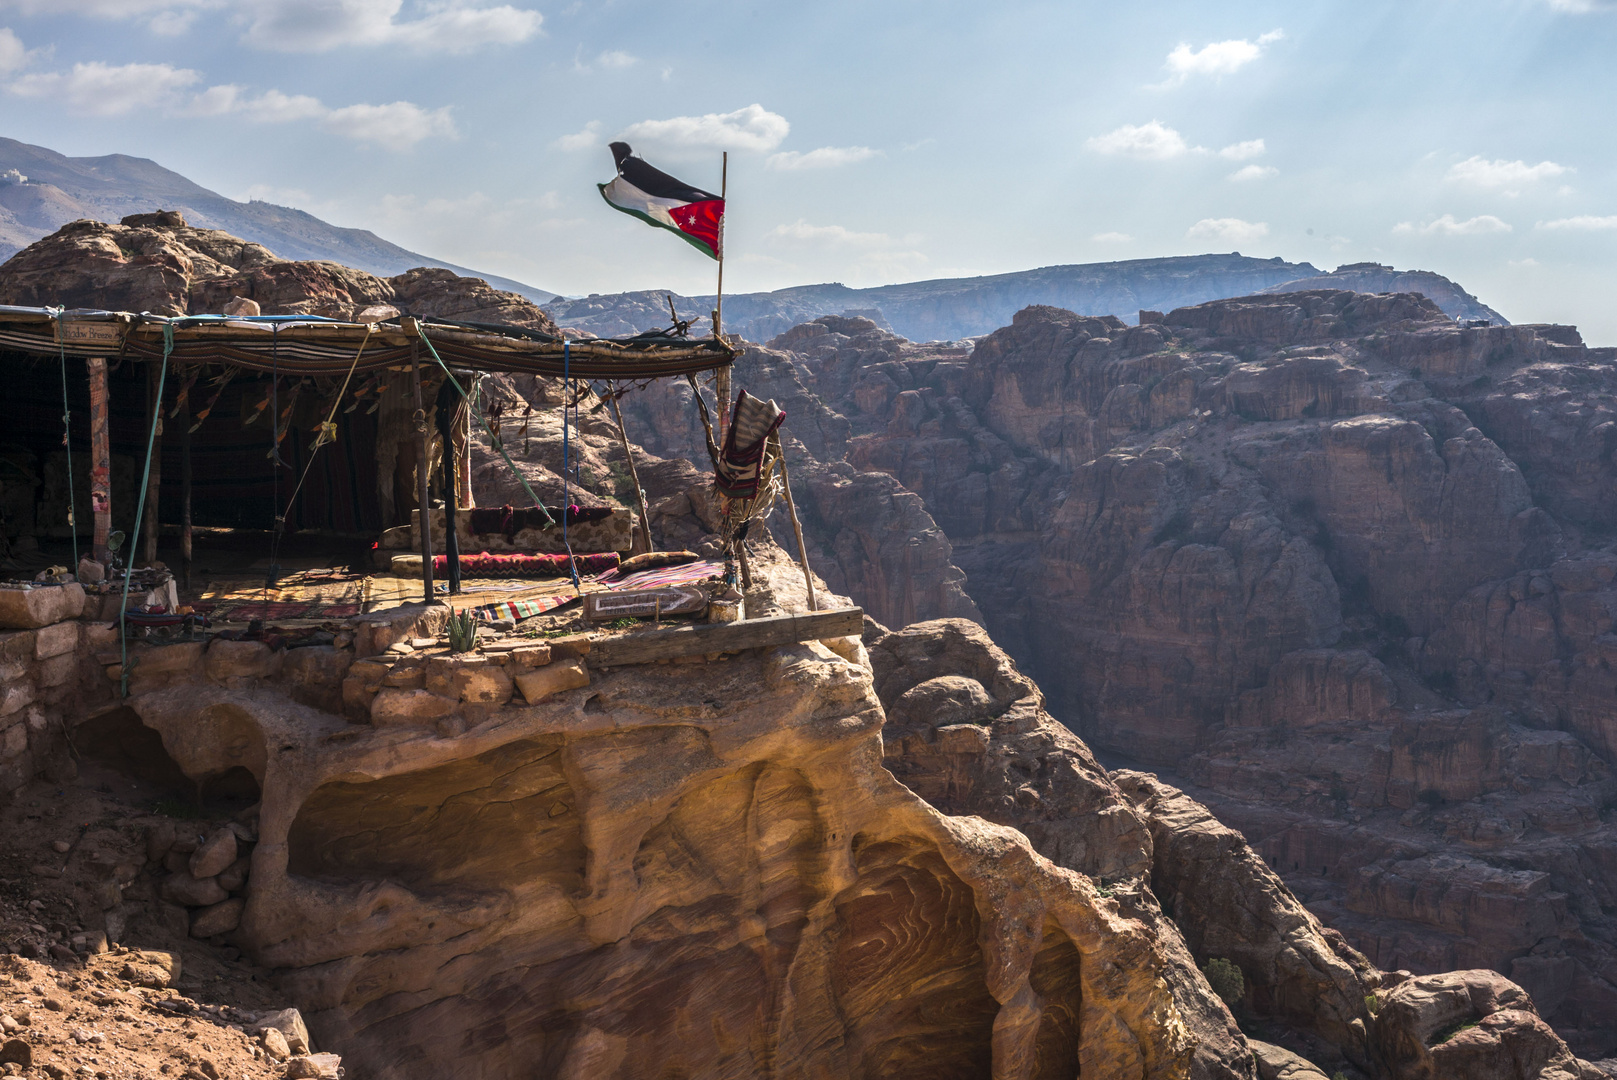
x,y
462,632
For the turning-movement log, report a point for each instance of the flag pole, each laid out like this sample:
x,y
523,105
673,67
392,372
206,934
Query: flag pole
x,y
721,378
724,184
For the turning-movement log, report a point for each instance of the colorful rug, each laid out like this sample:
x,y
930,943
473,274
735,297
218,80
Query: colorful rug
x,y
317,594
664,575
517,610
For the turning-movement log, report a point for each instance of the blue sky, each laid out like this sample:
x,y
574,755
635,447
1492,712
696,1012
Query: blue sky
x,y
887,140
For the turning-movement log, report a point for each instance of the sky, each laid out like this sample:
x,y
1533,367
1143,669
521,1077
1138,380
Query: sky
x,y
876,141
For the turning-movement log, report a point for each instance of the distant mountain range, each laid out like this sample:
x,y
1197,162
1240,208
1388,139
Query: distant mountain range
x,y
41,190
949,309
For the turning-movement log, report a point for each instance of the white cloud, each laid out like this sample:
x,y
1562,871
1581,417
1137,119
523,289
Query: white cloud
x,y
1218,58
1112,238
1229,229
1253,172
1582,223
826,157
172,23
583,139
617,59
13,56
447,26
1448,226
395,126
752,128
1583,7
1153,141
1527,262
834,235
105,9
97,89
1242,150
1507,176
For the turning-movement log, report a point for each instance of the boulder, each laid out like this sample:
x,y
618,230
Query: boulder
x,y
1469,1025
239,660
289,1022
55,640
40,605
220,918
1278,1063
184,889
559,675
391,707
314,1067
214,854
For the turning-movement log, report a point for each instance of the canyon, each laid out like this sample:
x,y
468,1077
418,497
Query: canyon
x,y
1270,631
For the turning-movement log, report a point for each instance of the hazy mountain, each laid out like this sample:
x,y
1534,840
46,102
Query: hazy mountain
x,y
41,190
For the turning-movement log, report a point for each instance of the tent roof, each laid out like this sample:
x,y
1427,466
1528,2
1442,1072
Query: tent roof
x,y
312,345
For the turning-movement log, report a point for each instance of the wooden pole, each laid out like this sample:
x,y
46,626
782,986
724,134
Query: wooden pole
x,y
100,460
185,494
423,481
643,544
718,301
447,402
154,477
797,528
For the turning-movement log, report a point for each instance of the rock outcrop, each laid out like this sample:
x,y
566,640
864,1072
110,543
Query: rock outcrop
x,y
158,263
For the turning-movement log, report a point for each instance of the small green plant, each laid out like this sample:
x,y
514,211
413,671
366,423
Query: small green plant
x,y
1339,1075
1102,889
174,808
621,624
1452,1030
1225,979
1372,1002
462,632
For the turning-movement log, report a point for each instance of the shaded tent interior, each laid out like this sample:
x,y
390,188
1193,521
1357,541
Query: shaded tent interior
x,y
363,483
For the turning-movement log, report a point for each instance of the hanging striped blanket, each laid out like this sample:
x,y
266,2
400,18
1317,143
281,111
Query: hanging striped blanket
x,y
750,427
664,575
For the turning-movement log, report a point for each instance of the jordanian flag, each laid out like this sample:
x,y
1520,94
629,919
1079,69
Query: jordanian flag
x,y
658,199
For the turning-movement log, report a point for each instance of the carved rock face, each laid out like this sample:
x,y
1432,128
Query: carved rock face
x,y
695,869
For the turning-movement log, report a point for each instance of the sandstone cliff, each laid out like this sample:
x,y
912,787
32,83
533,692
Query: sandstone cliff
x,y
1343,564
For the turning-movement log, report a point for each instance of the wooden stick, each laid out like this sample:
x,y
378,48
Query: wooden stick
x,y
185,494
100,461
423,479
447,403
643,543
154,477
797,528
718,300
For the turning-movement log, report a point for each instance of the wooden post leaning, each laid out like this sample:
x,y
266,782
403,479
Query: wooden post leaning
x,y
643,543
797,527
423,484
100,461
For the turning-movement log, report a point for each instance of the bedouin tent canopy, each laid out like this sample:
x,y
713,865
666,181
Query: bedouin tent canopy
x,y
311,345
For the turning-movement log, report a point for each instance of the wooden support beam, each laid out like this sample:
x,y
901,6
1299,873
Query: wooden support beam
x,y
449,404
154,476
652,645
185,494
641,543
100,460
423,466
797,528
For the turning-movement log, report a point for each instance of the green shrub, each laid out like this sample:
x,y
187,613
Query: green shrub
x,y
1225,979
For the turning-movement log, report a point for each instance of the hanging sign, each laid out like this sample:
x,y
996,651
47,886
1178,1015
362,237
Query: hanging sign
x,y
644,603
90,331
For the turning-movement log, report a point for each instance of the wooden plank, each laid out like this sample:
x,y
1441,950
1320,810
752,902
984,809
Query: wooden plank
x,y
652,645
645,603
